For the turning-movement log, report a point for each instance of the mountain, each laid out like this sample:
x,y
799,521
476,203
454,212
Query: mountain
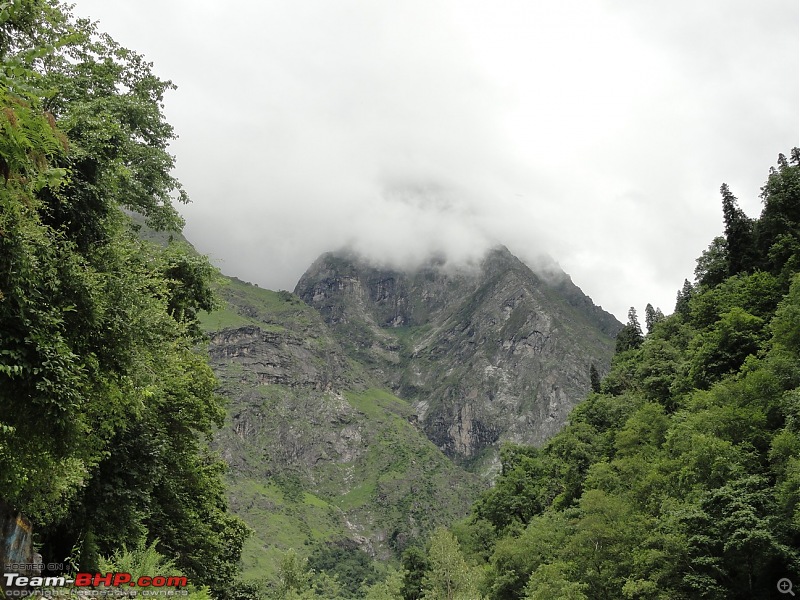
x,y
317,452
485,353
369,405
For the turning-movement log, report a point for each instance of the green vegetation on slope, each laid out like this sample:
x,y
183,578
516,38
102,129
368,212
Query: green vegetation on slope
x,y
281,518
360,471
680,477
246,304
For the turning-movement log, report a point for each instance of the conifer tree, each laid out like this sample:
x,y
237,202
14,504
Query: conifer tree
x,y
682,300
631,336
738,233
777,232
594,378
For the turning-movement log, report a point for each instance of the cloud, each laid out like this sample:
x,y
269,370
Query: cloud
x,y
595,131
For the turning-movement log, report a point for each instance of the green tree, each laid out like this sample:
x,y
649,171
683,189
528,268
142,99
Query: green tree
x,y
516,557
737,542
476,537
738,233
146,561
682,299
786,324
594,378
44,455
551,582
643,433
777,231
415,565
653,316
724,348
390,588
106,404
757,293
294,576
527,485
712,266
110,104
573,450
448,577
345,560
658,370
631,336
605,535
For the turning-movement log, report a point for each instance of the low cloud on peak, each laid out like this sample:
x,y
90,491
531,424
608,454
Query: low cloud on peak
x,y
593,131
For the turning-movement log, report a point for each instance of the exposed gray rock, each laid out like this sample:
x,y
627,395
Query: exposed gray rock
x,y
304,418
487,354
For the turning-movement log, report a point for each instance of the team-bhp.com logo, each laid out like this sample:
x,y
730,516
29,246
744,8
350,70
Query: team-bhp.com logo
x,y
82,580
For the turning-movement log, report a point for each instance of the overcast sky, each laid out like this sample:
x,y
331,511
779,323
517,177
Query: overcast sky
x,y
597,131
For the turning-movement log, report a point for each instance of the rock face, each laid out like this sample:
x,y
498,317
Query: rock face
x,y
316,450
366,408
279,357
486,354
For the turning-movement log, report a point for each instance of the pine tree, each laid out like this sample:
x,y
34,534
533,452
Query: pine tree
x,y
631,336
738,233
649,317
777,232
682,300
594,378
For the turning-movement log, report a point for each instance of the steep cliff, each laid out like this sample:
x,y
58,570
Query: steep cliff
x,y
347,399
316,451
485,353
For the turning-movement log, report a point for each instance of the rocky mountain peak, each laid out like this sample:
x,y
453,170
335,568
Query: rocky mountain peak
x,y
485,352
380,388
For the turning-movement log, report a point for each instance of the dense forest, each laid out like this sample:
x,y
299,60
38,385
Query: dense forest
x,y
677,477
106,399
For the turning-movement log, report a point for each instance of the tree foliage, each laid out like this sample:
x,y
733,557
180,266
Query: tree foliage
x,y
106,400
652,316
738,233
448,577
594,378
347,562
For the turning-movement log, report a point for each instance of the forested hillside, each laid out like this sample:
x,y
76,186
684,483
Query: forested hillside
x,y
679,477
106,403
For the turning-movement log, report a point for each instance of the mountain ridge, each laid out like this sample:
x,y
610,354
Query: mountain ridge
x,y
317,452
371,404
415,330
